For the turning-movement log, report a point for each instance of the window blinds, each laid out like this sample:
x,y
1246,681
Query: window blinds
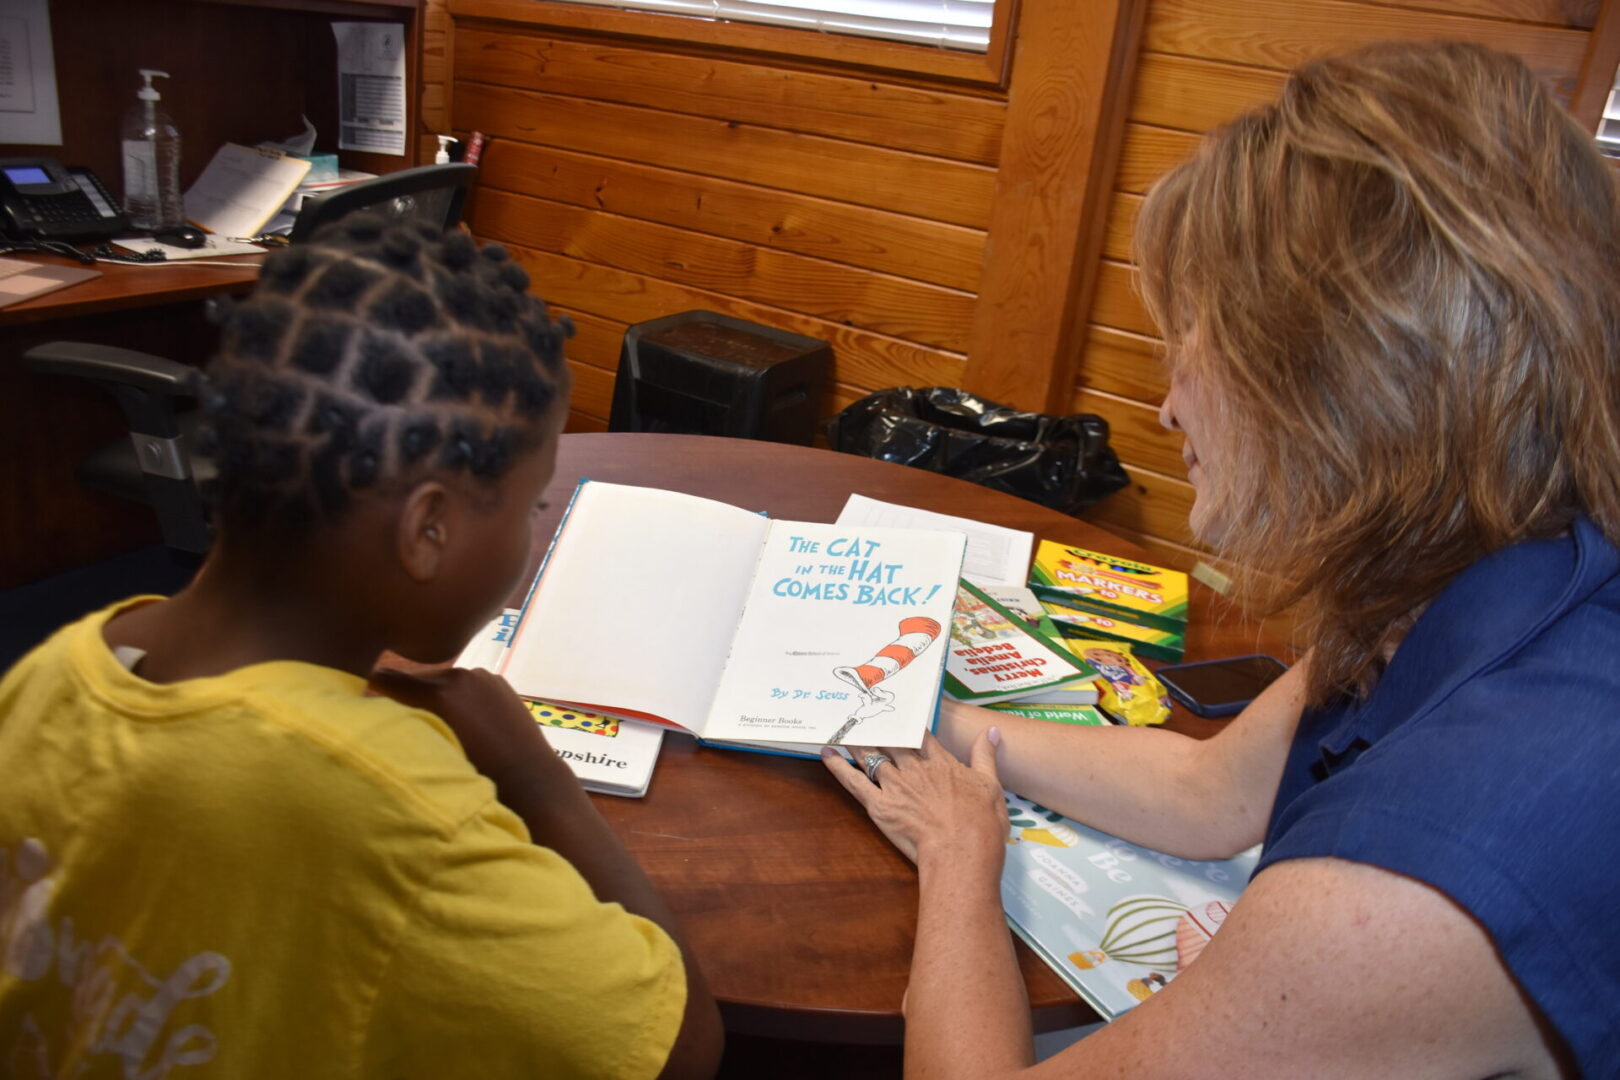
x,y
951,24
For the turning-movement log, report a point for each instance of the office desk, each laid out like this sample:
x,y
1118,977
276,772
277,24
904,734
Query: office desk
x,y
800,912
123,286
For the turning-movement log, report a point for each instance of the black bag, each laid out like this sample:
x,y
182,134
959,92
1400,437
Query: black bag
x,y
1058,461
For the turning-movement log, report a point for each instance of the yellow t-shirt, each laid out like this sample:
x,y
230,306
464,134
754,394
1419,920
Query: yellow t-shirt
x,y
268,874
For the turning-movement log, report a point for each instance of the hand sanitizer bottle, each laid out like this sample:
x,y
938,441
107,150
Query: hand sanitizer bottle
x,y
151,161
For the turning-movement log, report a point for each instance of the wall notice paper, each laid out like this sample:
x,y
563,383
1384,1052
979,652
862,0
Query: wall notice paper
x,y
241,189
371,86
28,110
995,555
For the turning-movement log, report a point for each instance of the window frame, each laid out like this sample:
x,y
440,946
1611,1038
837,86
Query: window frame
x,y
988,69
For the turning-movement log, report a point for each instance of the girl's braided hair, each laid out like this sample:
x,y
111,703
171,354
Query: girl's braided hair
x,y
374,352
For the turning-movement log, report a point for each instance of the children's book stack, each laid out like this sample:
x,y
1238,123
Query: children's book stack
x,y
994,655
1097,597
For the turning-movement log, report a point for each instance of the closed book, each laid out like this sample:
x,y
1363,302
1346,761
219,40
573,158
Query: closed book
x,y
1116,921
994,655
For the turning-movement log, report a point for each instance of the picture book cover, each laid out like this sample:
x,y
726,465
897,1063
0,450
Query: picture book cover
x,y
1143,593
608,754
1116,921
1080,627
776,635
995,655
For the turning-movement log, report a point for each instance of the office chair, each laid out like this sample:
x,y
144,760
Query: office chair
x,y
155,464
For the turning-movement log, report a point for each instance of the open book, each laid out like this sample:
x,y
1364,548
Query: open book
x,y
1115,921
771,635
995,655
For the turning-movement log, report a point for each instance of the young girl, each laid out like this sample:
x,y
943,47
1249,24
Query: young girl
x,y
1391,303
220,855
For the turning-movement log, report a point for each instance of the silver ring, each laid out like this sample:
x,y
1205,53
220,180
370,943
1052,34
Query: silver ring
x,y
873,760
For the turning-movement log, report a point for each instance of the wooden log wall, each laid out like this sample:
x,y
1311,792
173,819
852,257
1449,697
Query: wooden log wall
x,y
895,213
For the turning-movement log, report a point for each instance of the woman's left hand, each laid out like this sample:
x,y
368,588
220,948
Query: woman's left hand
x,y
925,798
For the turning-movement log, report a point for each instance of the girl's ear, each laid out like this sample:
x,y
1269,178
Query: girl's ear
x,y
422,534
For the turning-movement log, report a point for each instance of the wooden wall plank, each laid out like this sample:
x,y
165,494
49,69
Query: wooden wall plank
x,y
1597,72
860,357
1134,432
1125,364
898,307
1148,153
1121,224
596,340
1066,108
1152,503
435,58
866,175
1285,33
1193,94
1578,13
593,390
912,247
926,121
1116,302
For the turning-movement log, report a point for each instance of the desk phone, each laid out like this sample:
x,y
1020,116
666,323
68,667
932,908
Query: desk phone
x,y
43,200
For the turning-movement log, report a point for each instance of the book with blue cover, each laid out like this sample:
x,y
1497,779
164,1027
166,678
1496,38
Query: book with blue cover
x,y
1116,921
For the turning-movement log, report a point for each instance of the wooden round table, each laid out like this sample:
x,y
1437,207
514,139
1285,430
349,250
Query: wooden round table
x,y
800,912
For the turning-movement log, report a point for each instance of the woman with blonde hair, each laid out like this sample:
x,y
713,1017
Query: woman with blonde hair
x,y
1391,306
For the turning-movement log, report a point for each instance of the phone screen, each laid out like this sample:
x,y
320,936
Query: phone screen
x,y
1224,681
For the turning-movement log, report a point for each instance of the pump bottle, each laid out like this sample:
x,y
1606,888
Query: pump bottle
x,y
151,161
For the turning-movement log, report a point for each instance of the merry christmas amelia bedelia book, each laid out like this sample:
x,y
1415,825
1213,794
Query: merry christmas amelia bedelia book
x,y
769,635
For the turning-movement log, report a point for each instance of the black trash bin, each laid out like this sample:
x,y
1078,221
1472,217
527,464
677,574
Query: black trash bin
x,y
1063,462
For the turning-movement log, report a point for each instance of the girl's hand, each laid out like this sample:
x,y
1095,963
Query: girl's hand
x,y
496,731
926,801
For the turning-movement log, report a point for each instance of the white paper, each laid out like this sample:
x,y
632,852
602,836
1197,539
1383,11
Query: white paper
x,y
241,189
995,555
213,248
29,113
371,86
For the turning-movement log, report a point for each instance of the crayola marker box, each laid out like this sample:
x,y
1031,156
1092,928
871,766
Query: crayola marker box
x,y
1147,595
1077,627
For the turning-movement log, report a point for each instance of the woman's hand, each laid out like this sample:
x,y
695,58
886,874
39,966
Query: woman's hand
x,y
925,800
496,732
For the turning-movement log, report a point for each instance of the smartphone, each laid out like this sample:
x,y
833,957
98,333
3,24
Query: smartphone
x,y
1216,688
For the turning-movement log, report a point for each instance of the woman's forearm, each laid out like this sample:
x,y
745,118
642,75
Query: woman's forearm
x,y
1195,799
966,1011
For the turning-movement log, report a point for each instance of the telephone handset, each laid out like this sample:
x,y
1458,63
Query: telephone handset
x,y
43,200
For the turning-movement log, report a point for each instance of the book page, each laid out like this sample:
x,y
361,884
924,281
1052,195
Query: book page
x,y
840,639
636,605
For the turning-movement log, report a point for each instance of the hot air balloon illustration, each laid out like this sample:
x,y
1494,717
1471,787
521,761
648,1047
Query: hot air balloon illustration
x,y
1194,929
1148,985
915,635
1140,930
